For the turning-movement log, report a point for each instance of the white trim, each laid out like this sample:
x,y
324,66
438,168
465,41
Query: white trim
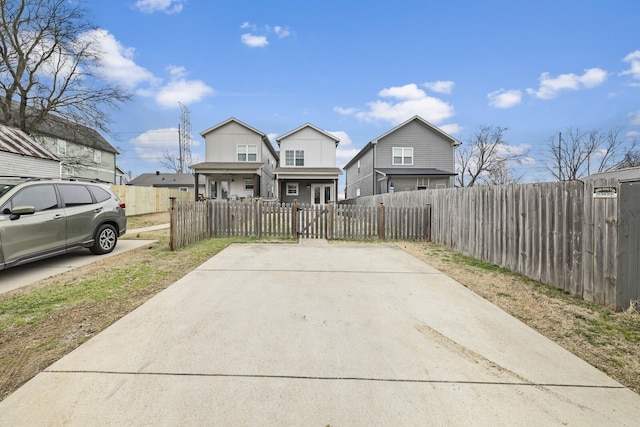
x,y
292,184
402,156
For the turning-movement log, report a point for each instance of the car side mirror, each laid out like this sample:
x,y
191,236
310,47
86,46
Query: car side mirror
x,y
21,210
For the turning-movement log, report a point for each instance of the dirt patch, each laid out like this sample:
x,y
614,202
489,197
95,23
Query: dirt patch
x,y
607,340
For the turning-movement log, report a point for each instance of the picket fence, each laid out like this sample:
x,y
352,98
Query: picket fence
x,y
192,221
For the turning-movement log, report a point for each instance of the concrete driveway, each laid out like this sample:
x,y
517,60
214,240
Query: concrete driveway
x,y
317,334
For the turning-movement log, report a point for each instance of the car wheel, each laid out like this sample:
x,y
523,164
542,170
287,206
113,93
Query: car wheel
x,y
105,239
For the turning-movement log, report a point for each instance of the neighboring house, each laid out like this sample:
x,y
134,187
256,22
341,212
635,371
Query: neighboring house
x,y
414,155
82,151
22,156
239,162
307,170
630,174
174,181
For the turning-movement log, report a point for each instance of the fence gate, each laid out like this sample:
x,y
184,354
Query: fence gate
x,y
313,221
628,243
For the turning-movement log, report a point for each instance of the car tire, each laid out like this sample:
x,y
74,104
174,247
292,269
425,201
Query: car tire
x,y
105,239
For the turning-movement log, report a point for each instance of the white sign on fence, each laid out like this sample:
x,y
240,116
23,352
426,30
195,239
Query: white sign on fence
x,y
605,192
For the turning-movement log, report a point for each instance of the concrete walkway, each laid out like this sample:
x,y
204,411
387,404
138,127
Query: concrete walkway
x,y
318,334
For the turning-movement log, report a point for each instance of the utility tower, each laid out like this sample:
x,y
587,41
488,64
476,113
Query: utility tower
x,y
184,139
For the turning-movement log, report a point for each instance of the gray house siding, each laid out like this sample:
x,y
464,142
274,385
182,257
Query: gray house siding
x,y
428,148
268,176
363,179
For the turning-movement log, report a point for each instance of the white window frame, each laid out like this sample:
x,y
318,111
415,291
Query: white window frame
x,y
246,150
292,186
62,148
97,156
422,183
358,166
183,188
248,184
405,152
296,159
357,192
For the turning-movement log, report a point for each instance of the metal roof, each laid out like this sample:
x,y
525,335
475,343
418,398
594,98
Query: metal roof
x,y
620,174
15,141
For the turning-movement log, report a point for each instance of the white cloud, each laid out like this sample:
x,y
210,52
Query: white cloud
x,y
181,90
633,134
634,60
451,128
440,86
635,118
281,32
117,63
255,39
252,40
152,144
166,6
550,86
505,98
407,101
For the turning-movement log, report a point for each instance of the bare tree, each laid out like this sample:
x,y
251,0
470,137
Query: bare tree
x,y
51,65
631,159
487,159
575,153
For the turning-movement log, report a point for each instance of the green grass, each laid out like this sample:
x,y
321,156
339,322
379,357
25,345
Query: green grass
x,y
115,283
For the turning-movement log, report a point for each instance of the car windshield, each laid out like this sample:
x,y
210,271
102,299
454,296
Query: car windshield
x,y
4,187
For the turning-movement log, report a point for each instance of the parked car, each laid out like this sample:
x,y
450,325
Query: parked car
x,y
41,218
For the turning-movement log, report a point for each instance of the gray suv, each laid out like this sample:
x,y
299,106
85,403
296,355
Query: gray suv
x,y
41,218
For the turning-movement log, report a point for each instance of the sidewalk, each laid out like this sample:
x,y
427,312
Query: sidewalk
x,y
319,334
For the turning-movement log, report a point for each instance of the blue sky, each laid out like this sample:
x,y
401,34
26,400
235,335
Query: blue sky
x,y
358,69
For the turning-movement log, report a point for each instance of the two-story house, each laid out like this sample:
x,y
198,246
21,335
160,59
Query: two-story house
x,y
307,170
82,151
414,155
239,162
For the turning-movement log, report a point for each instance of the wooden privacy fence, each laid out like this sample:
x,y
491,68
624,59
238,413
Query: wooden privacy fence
x,y
192,221
557,233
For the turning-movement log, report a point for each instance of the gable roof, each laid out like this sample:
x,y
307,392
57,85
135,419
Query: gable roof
x,y
417,118
15,141
308,125
263,135
58,127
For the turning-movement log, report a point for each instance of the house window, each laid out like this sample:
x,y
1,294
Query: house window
x,y
294,158
402,155
248,184
247,153
423,183
292,188
358,166
357,192
97,156
183,188
62,148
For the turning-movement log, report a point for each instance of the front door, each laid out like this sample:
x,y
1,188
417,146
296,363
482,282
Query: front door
x,y
321,194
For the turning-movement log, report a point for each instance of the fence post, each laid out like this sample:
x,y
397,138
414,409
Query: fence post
x,y
258,213
427,222
294,219
172,223
330,221
381,221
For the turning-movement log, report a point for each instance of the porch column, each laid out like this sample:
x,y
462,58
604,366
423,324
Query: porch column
x,y
256,185
197,187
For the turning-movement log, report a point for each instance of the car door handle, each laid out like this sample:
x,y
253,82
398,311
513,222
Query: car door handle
x,y
98,210
58,216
